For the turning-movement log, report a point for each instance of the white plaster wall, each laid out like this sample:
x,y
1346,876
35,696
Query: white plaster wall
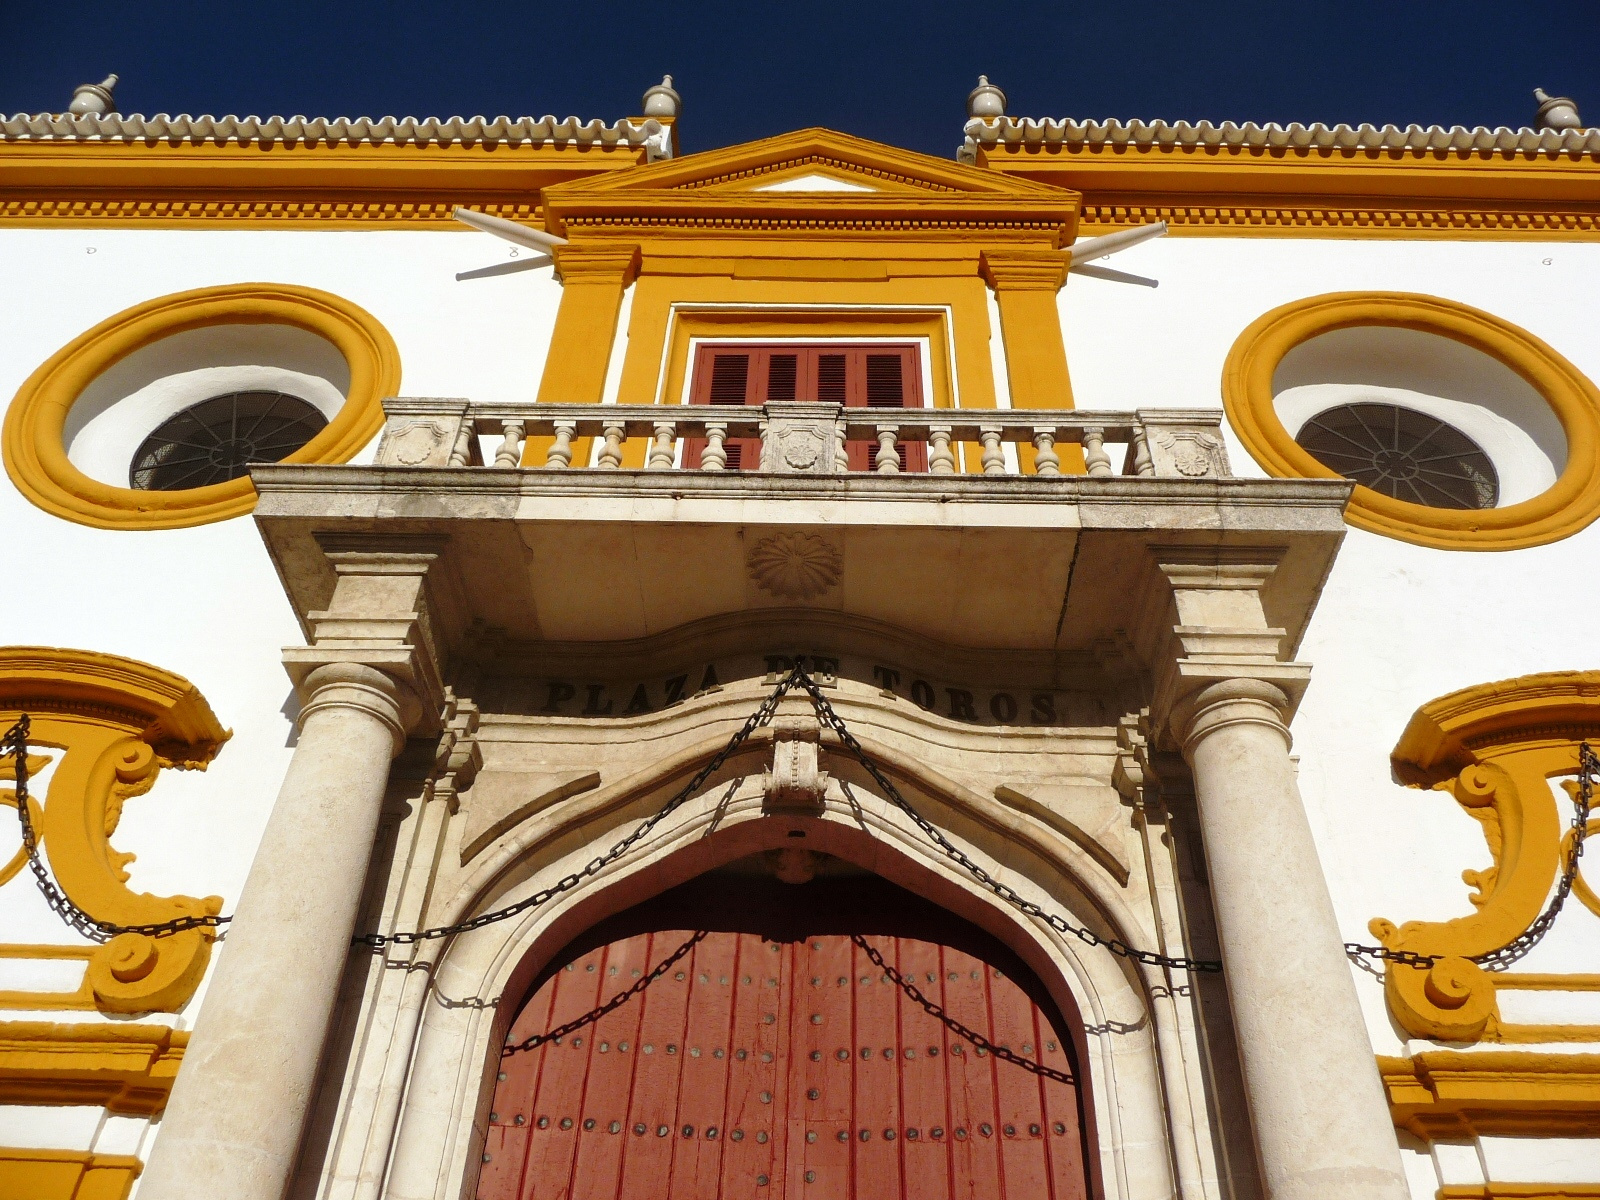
x,y
1397,624
205,602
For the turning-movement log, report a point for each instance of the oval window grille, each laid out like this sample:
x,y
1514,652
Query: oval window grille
x,y
216,440
1403,454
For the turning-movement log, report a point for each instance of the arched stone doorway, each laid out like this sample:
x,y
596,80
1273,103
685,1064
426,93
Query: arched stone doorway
x,y
756,1043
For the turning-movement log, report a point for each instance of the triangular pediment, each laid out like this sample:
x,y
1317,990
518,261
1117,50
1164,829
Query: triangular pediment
x,y
817,173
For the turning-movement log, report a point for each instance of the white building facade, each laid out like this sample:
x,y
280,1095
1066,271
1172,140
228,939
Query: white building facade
x,y
1166,624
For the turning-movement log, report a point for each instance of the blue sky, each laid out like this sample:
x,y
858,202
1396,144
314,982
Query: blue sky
x,y
895,71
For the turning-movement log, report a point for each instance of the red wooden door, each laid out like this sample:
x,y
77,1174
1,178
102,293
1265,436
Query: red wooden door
x,y
876,376
793,1069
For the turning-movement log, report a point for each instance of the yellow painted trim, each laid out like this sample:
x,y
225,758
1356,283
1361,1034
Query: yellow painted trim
x,y
161,185
1450,1094
1518,1191
1265,192
36,458
119,723
1492,748
83,998
1567,506
128,1069
65,1174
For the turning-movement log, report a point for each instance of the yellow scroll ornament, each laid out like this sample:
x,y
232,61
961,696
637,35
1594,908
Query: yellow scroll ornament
x,y
117,723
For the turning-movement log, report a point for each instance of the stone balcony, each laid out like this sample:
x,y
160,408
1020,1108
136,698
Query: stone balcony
x,y
1053,567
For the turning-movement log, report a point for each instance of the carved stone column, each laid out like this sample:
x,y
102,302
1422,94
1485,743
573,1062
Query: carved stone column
x,y
1317,1106
235,1119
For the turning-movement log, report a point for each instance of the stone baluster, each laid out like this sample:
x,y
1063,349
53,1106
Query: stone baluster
x,y
1321,1120
941,458
661,448
559,457
611,452
888,455
1095,457
841,453
1141,453
510,452
1045,459
994,458
234,1122
461,452
715,456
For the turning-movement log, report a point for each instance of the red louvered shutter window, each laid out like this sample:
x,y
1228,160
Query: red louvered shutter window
x,y
879,376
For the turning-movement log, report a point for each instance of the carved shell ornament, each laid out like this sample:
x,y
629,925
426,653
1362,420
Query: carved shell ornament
x,y
795,566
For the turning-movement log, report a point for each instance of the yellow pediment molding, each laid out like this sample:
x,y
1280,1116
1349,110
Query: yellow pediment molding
x,y
878,191
128,1069
1451,1094
114,724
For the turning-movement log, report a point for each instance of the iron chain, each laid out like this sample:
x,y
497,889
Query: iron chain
x,y
611,1005
566,883
967,1034
16,745
1499,960
955,854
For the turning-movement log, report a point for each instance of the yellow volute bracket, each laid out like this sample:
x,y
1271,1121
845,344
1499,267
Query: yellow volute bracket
x,y
113,724
1568,505
1492,749
32,437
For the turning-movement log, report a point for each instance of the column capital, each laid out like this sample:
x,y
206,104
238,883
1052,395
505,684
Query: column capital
x,y
1025,268
382,618
1220,636
614,264
1240,699
357,685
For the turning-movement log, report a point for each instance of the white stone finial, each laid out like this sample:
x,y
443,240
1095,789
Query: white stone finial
x,y
986,100
93,99
1556,112
662,100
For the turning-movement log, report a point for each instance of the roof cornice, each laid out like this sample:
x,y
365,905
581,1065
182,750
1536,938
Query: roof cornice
x,y
299,172
299,130
1308,180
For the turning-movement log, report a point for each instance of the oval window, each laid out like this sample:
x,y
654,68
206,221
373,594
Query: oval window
x,y
1460,430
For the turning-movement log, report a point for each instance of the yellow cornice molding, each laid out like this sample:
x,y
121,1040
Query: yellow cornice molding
x,y
1518,1191
1260,191
1447,734
300,186
66,1174
169,711
128,1069
118,723
1450,1094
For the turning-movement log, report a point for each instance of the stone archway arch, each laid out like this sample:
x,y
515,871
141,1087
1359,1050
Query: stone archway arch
x,y
1138,1097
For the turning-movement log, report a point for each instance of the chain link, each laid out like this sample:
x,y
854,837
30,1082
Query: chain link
x,y
16,745
1010,895
610,1006
1499,960
977,1039
566,883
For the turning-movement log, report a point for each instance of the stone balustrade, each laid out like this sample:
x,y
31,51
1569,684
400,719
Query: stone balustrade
x,y
803,438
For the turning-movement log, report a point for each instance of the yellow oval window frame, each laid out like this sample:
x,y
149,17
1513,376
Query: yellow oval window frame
x,y
32,442
1567,506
